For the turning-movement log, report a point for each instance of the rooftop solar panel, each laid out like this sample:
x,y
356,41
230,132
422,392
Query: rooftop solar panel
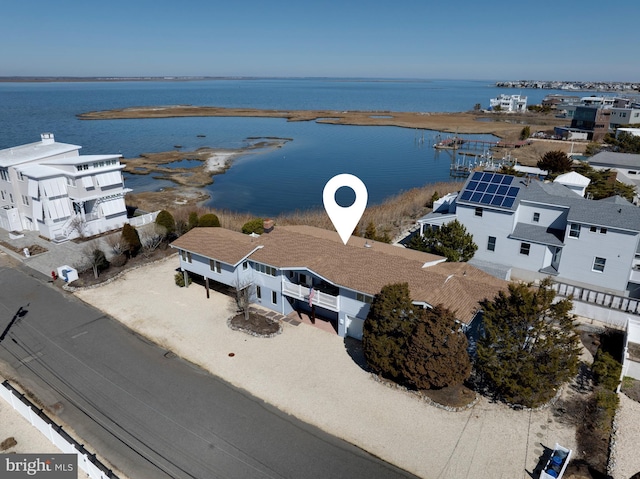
x,y
490,189
508,202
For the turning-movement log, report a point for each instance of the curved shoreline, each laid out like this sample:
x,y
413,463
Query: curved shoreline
x,y
503,125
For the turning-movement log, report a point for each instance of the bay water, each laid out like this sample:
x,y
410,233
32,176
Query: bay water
x,y
264,182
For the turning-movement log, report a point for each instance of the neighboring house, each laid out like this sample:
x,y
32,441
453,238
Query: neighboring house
x,y
630,131
282,265
626,165
534,229
49,187
624,116
508,103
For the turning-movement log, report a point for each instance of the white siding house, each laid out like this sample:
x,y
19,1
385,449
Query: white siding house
x,y
535,229
49,187
508,103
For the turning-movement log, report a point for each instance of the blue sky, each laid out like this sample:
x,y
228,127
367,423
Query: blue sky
x,y
405,39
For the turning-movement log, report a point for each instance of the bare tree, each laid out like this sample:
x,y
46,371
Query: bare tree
x,y
95,258
116,243
245,294
151,238
79,225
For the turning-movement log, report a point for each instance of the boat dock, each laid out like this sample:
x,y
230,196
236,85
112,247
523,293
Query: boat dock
x,y
456,142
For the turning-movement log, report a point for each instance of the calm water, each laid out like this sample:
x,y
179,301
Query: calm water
x,y
387,159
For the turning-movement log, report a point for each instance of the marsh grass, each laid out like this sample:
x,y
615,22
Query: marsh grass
x,y
394,216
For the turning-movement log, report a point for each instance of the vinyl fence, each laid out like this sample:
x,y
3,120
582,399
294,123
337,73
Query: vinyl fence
x,y
54,432
143,219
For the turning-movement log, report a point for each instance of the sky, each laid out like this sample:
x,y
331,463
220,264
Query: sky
x,y
498,40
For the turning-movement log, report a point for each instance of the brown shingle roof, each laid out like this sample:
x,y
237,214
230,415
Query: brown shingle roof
x,y
458,286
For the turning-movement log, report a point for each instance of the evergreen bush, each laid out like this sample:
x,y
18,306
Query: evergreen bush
x,y
209,220
179,279
193,220
131,239
255,225
606,370
166,220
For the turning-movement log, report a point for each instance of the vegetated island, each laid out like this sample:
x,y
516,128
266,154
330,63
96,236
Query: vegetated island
x,y
191,171
503,125
189,181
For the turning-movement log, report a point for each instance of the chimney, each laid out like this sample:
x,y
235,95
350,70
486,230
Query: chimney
x,y
47,138
268,225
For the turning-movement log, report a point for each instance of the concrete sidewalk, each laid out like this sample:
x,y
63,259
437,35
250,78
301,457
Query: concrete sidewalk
x,y
315,376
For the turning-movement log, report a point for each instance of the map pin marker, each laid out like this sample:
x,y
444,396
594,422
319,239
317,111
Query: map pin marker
x,y
345,218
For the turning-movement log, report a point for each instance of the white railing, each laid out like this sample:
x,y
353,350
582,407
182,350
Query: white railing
x,y
324,300
143,219
607,300
54,433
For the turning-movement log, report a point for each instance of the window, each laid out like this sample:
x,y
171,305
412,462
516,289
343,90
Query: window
x,y
259,292
536,217
71,181
598,264
491,243
215,266
303,278
264,269
245,265
186,256
593,229
525,248
4,175
364,298
574,231
11,197
603,231
2,192
21,176
25,200
478,211
274,297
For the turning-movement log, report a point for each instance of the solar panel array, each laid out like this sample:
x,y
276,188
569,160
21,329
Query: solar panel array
x,y
490,189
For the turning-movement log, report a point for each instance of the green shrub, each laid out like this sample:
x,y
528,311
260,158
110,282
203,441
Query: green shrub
x,y
131,239
193,220
606,370
209,220
255,225
166,220
179,279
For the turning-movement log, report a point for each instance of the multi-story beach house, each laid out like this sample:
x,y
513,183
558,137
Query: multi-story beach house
x,y
293,268
531,229
508,103
49,187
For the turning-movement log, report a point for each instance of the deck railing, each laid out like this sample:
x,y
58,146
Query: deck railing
x,y
607,300
321,299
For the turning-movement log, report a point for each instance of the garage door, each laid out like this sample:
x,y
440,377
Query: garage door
x,y
354,327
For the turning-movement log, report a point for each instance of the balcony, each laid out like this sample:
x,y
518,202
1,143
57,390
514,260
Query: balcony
x,y
320,298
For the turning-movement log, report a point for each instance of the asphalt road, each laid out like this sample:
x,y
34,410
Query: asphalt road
x,y
151,414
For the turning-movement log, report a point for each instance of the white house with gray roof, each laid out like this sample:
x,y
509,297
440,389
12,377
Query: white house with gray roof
x,y
49,187
531,229
626,165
